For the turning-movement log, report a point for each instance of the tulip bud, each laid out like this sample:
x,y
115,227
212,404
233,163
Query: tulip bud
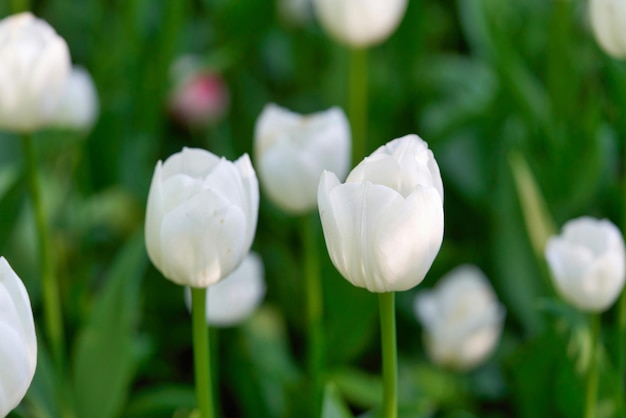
x,y
587,263
79,107
360,23
34,65
232,300
384,226
292,151
18,342
608,20
201,216
200,96
462,318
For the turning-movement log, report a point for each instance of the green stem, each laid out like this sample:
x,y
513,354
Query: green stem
x,y
20,6
592,375
621,323
358,103
201,355
390,361
315,308
50,288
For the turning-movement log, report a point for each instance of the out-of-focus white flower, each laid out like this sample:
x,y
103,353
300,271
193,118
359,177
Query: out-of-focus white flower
x,y
201,216
462,318
296,12
291,152
384,226
200,96
18,342
360,23
232,300
79,105
34,66
608,20
587,263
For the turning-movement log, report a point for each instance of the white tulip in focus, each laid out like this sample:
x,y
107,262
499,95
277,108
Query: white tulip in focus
x,y
79,106
34,65
587,263
608,21
384,226
360,23
462,318
201,216
232,300
292,151
18,343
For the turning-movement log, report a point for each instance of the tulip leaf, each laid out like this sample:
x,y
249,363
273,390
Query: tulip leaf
x,y
104,359
260,357
359,388
334,406
161,400
539,223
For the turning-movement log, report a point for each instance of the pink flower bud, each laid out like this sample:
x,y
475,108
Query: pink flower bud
x,y
199,100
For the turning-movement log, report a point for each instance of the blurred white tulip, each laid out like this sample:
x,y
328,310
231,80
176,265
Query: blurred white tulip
x,y
462,318
18,342
608,21
587,263
292,151
201,216
34,66
79,105
232,300
384,226
360,23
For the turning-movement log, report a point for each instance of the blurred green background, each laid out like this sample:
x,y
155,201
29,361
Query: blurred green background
x,y
484,82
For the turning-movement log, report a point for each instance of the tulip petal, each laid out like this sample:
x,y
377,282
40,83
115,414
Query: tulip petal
x,y
251,195
290,177
18,343
195,162
408,238
203,240
272,121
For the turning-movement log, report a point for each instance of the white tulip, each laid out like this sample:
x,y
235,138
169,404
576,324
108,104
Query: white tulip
x,y
608,21
79,106
292,151
232,300
462,318
18,342
201,216
34,65
384,226
360,23
587,263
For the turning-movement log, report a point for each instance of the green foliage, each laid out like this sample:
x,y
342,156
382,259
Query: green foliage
x,y
524,113
106,350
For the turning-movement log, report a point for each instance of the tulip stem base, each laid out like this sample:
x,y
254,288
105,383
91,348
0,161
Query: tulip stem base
x,y
358,103
390,357
201,354
51,299
315,308
592,374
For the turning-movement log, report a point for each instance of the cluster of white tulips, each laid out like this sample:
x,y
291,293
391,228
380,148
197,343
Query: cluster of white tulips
x,y
382,221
